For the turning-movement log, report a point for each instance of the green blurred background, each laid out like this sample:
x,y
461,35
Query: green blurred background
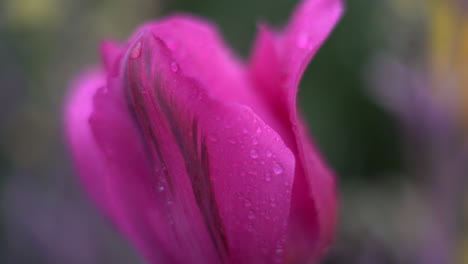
x,y
46,218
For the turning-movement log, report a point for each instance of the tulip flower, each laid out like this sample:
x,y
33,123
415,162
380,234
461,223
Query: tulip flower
x,y
200,157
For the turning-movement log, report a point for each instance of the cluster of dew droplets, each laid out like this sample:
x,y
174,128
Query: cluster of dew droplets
x,y
163,193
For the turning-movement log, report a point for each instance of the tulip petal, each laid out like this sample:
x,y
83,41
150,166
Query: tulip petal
x,y
103,169
111,51
288,53
200,50
237,174
184,172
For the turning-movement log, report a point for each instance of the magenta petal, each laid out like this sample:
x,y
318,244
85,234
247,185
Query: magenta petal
x,y
111,51
180,172
119,184
78,111
288,53
199,49
311,24
194,157
233,170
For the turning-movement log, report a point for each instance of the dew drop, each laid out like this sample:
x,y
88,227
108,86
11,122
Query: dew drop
x,y
254,154
277,168
232,141
279,255
268,153
251,215
136,51
267,177
174,67
247,203
160,188
252,173
245,131
255,141
213,138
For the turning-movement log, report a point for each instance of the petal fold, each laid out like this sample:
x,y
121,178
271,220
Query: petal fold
x,y
179,170
313,212
236,168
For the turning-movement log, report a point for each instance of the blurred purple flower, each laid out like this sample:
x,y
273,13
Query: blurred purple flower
x,y
199,157
42,225
435,150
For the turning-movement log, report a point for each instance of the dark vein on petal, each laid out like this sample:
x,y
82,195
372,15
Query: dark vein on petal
x,y
141,116
190,143
195,153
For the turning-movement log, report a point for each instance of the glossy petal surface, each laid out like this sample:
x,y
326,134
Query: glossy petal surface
x,y
288,53
189,150
195,174
236,167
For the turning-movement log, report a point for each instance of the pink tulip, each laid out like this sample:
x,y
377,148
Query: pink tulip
x,y
200,157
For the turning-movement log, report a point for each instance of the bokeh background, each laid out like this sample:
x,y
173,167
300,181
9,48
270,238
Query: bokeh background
x,y
386,98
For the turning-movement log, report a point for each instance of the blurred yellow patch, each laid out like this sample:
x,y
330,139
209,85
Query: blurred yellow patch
x,y
449,50
32,13
410,8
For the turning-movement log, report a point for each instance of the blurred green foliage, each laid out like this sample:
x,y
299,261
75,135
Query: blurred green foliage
x,y
358,138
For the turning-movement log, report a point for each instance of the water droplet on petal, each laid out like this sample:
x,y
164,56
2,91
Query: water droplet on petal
x,y
255,141
232,141
160,188
254,154
279,255
213,138
268,153
277,168
247,203
267,177
252,173
174,67
136,51
251,215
